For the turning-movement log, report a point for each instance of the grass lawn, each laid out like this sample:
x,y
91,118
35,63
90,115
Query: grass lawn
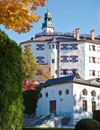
x,y
46,128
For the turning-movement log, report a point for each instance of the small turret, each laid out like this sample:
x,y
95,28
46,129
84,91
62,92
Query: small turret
x,y
47,26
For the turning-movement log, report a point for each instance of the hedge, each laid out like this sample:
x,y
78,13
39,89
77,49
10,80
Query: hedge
x,y
30,100
11,76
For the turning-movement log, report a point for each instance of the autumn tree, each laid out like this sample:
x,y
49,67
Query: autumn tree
x,y
29,63
19,15
44,71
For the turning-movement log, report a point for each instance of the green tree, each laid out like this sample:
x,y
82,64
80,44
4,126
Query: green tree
x,y
11,75
30,100
29,63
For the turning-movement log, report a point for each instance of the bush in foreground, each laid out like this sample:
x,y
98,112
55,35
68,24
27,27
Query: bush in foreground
x,y
87,124
11,75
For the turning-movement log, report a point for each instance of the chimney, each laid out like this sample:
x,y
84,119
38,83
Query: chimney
x,y
92,34
74,33
78,33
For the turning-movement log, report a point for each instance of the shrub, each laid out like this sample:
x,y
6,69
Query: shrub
x,y
96,115
87,124
30,100
11,76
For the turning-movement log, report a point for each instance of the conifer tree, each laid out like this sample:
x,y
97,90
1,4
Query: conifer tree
x,y
29,63
11,76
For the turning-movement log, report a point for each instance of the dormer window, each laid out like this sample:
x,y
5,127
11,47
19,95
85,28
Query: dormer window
x,y
84,92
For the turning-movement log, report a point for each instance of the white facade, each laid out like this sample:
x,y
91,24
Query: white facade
x,y
66,53
69,105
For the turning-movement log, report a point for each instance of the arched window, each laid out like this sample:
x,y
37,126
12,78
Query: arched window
x,y
46,94
67,91
93,93
60,92
84,92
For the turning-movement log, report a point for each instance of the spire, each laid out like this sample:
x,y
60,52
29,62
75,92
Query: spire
x,y
47,25
47,9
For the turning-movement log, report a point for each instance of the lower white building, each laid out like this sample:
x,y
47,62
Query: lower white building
x,y
69,98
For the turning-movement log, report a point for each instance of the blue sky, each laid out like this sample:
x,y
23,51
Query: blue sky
x,y
67,15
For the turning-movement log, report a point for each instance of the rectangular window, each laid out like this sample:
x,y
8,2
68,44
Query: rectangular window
x,y
84,105
73,58
56,46
73,46
40,47
53,60
93,73
49,46
64,46
92,47
93,106
53,46
64,72
74,71
93,59
64,58
40,60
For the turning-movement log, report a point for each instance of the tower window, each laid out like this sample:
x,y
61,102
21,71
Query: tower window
x,y
49,46
53,60
53,46
49,19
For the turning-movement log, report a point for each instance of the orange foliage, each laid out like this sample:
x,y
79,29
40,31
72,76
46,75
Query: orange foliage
x,y
17,15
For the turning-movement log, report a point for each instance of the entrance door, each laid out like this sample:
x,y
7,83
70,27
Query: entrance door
x,y
53,106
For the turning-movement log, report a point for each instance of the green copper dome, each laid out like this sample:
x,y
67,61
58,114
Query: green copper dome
x,y
48,15
47,21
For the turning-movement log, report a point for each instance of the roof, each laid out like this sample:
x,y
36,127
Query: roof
x,y
69,79
42,37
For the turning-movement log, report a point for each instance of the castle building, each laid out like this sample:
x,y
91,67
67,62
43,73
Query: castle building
x,y
66,53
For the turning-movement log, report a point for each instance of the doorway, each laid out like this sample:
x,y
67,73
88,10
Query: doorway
x,y
53,106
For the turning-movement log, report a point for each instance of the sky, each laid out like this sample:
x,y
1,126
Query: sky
x,y
66,16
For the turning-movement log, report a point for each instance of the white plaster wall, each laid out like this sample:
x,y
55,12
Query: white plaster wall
x,y
41,53
48,30
78,97
64,103
80,52
91,66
